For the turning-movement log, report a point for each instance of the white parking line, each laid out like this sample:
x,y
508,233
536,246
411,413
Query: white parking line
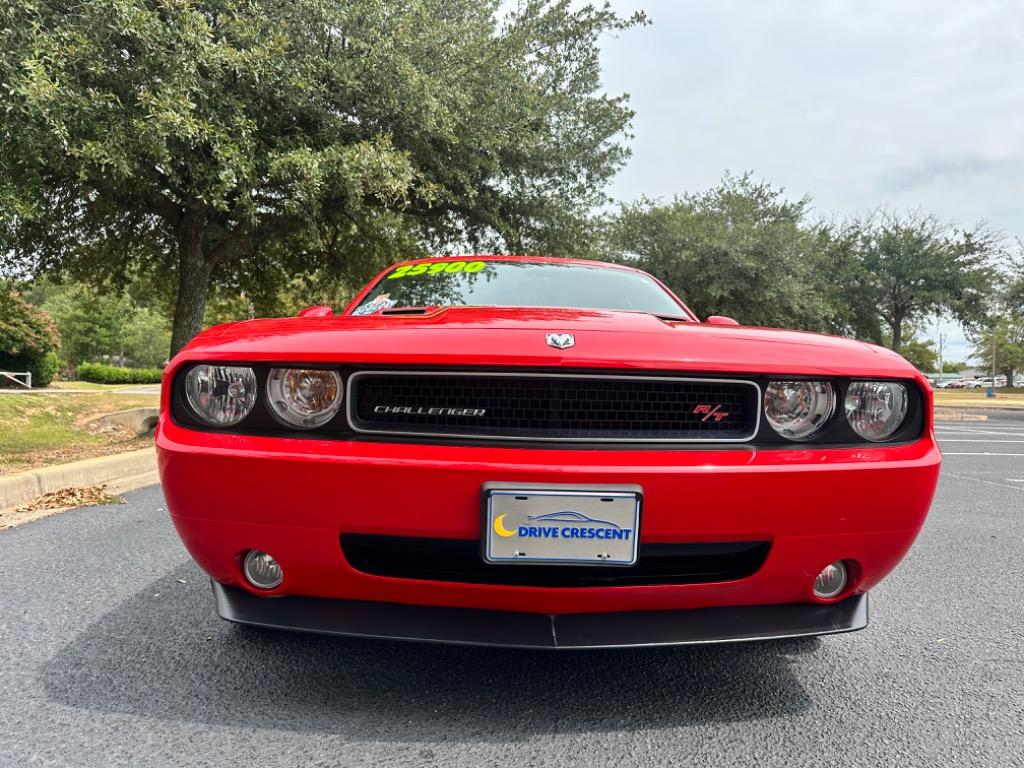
x,y
998,433
969,440
982,453
978,480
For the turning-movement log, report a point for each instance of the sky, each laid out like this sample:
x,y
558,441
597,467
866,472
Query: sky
x,y
905,104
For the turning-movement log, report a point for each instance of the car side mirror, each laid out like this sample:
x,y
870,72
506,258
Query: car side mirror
x,y
721,320
318,311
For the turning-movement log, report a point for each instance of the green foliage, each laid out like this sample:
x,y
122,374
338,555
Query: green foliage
x,y
999,338
109,374
28,339
953,366
912,266
921,354
740,249
1008,336
145,338
246,142
97,324
90,323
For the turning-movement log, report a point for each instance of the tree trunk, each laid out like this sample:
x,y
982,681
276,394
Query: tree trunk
x,y
193,280
897,333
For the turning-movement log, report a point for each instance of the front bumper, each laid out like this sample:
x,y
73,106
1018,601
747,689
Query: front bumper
x,y
508,629
294,498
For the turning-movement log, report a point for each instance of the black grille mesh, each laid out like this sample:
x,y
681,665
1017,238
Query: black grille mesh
x,y
459,560
553,407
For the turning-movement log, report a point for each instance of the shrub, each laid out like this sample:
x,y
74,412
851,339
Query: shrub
x,y
28,339
100,373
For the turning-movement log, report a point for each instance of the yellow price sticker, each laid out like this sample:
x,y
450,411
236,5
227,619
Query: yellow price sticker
x,y
437,268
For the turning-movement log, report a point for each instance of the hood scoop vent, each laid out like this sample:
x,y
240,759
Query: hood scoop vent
x,y
409,311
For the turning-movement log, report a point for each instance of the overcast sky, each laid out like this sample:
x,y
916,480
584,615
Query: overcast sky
x,y
907,104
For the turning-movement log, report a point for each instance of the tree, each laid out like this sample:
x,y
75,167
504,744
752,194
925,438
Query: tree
x,y
146,338
915,265
91,323
106,323
28,338
921,354
740,249
197,140
1008,337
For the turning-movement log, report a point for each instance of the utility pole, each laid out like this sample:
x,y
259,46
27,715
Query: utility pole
x,y
993,356
992,389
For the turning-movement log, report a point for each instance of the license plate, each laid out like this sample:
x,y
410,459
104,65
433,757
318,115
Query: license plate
x,y
555,525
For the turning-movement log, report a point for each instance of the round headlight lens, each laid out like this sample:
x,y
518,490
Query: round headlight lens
x,y
304,397
798,409
221,395
876,409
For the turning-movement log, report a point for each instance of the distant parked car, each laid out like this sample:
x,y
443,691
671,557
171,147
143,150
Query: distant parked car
x,y
1000,381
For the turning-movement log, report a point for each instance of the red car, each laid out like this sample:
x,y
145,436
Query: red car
x,y
542,452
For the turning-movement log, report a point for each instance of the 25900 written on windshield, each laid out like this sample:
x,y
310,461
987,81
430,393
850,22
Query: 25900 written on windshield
x,y
437,268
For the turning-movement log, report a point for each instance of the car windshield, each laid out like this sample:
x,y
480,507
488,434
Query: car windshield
x,y
517,284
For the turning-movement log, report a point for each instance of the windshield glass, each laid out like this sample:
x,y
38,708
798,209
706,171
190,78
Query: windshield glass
x,y
517,284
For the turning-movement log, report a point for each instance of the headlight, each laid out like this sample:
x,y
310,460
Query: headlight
x,y
798,409
221,395
876,409
303,397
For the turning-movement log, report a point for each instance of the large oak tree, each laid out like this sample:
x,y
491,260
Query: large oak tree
x,y
743,249
195,138
910,267
740,249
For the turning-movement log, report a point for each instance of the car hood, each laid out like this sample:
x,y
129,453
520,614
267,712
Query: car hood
x,y
484,336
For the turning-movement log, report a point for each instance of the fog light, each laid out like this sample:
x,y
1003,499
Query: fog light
x,y
261,570
831,581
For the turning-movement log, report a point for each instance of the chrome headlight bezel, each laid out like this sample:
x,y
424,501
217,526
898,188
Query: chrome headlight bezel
x,y
221,395
814,399
292,407
877,402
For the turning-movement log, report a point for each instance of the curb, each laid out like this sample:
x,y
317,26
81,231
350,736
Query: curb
x,y
120,473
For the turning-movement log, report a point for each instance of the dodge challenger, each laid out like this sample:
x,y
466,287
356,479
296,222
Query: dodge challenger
x,y
542,453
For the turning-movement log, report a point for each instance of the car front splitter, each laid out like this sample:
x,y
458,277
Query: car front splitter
x,y
511,629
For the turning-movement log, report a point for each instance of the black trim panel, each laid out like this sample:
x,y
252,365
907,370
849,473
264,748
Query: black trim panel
x,y
836,434
473,626
459,560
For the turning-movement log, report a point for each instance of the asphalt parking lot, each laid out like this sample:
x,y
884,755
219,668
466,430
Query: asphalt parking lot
x,y
111,655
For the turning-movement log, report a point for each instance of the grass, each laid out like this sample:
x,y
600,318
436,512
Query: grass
x,y
43,429
90,385
1006,397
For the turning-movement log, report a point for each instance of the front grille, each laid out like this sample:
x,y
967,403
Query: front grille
x,y
527,406
459,560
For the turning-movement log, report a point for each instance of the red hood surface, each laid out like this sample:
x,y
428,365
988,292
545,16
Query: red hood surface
x,y
515,337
